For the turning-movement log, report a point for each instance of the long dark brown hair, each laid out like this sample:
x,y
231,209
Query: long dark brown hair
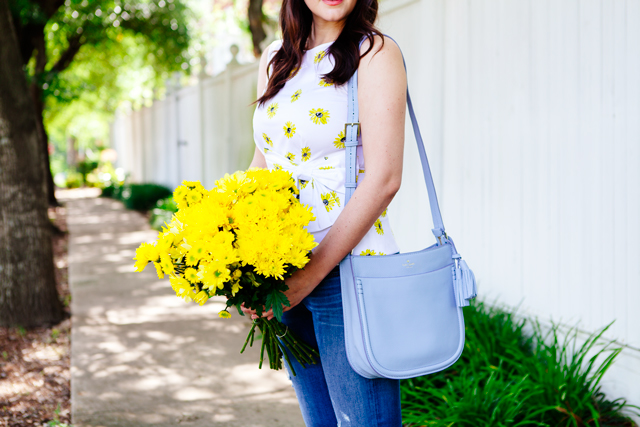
x,y
295,23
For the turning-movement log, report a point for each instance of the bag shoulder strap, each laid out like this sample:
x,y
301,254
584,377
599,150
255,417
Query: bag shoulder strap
x,y
352,132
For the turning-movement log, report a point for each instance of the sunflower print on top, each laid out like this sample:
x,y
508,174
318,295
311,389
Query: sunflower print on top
x,y
290,156
378,226
271,109
319,116
306,154
340,140
304,128
289,129
330,199
325,83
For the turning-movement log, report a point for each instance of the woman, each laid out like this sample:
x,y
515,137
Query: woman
x,y
299,126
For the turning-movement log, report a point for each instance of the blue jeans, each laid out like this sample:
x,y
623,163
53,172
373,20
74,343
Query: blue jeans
x,y
330,392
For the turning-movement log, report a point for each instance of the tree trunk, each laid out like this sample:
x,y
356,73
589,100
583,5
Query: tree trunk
x,y
28,295
255,25
37,40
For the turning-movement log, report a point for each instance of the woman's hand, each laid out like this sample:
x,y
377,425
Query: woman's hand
x,y
299,288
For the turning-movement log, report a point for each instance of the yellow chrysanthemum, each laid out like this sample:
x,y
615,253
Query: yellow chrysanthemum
x,y
272,109
180,195
182,288
191,274
159,270
319,115
201,297
306,154
224,314
235,287
289,129
146,253
250,218
340,140
296,95
166,263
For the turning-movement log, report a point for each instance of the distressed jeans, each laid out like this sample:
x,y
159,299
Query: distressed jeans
x,y
330,392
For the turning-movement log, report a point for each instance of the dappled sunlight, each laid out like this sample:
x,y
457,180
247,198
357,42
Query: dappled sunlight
x,y
143,356
193,393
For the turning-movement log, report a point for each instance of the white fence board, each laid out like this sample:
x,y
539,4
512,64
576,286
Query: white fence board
x,y
530,115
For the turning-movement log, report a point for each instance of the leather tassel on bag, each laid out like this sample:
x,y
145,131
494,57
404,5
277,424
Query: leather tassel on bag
x,y
465,283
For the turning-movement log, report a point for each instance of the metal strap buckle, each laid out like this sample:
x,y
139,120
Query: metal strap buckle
x,y
352,124
445,238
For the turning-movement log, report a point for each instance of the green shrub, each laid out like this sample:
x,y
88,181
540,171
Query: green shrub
x,y
110,191
73,180
162,213
142,197
507,378
113,191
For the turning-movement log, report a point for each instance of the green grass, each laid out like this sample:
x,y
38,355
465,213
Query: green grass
x,y
507,377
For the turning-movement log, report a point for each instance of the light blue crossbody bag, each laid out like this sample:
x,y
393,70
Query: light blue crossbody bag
x,y
403,312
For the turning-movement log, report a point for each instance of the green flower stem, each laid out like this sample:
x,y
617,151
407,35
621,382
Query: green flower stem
x,y
289,342
267,340
306,351
264,337
277,348
275,351
251,333
280,332
286,357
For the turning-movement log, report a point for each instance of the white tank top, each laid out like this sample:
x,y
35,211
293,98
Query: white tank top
x,y
301,130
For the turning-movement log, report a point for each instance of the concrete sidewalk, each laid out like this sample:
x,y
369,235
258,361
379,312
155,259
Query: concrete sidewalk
x,y
140,355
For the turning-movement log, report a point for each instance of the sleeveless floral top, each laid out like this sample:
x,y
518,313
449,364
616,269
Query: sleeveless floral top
x,y
301,130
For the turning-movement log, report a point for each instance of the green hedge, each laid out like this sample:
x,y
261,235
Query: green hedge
x,y
140,197
507,378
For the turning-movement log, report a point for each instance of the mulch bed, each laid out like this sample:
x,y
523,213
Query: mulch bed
x,y
34,365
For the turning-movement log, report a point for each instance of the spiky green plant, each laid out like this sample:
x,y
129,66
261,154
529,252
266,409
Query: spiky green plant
x,y
509,378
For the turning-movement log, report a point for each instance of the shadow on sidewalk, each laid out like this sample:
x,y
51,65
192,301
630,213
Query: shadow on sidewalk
x,y
142,356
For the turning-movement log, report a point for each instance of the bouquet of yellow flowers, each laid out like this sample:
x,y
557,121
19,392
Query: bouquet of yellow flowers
x,y
240,240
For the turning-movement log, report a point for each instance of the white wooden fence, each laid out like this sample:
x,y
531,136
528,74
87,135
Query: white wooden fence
x,y
531,114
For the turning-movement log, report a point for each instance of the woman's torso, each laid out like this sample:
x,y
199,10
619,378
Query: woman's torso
x,y
301,130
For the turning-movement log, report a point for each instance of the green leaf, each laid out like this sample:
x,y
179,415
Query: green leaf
x,y
240,312
275,301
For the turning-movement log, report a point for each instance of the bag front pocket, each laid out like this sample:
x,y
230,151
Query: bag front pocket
x,y
411,322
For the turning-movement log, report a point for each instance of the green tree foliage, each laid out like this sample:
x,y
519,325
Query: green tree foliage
x,y
74,51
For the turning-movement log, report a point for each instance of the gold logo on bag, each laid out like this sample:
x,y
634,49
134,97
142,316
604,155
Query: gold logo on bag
x,y
408,264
